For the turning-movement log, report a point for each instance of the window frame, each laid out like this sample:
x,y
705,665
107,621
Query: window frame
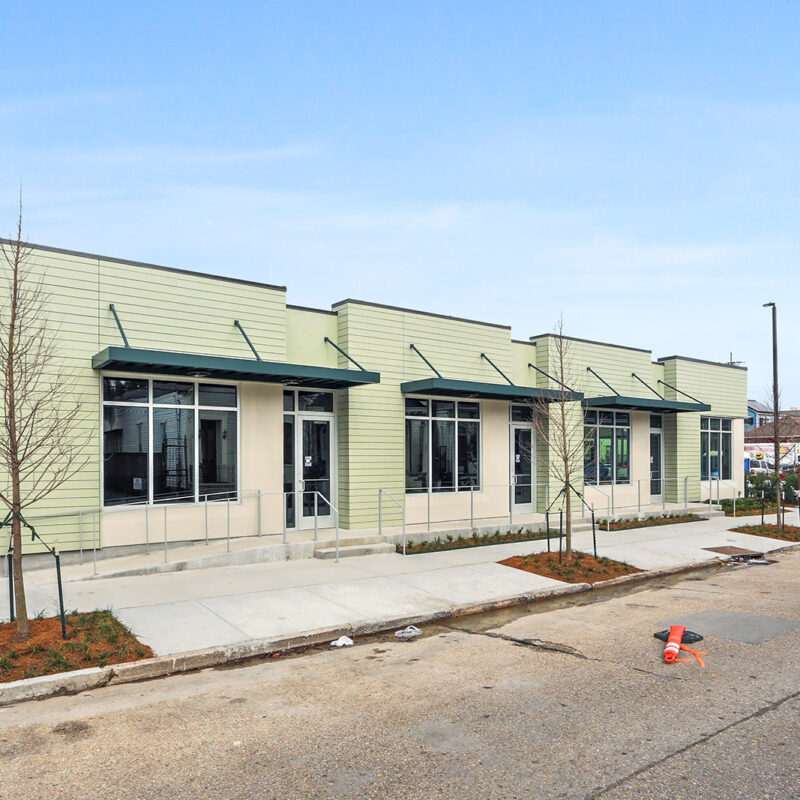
x,y
429,418
196,408
594,439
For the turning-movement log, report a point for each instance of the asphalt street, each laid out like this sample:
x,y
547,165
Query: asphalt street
x,y
571,703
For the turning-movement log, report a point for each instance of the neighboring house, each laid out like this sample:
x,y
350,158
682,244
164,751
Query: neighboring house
x,y
757,414
217,405
759,442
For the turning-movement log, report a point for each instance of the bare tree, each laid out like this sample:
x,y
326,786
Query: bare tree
x,y
559,427
41,445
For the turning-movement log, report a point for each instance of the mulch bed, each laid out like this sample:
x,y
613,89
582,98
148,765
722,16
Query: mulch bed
x,y
95,639
450,543
789,533
579,568
756,512
628,524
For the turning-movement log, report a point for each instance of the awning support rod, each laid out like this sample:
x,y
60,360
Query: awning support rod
x,y
419,353
605,383
547,375
119,324
633,374
483,355
349,358
675,389
247,339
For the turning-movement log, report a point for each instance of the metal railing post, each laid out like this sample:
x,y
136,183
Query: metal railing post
x,y
284,508
94,544
205,510
228,538
336,511
510,504
613,505
80,533
639,494
404,529
686,491
547,527
165,534
380,512
147,530
594,534
428,495
316,517
259,512
10,568
471,507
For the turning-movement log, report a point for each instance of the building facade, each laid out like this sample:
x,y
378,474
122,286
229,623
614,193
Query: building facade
x,y
210,403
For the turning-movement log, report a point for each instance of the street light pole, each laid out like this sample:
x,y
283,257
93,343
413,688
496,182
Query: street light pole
x,y
776,407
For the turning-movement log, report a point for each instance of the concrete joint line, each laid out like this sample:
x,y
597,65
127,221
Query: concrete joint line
x,y
770,706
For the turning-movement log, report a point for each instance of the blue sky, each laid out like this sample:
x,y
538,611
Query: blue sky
x,y
633,166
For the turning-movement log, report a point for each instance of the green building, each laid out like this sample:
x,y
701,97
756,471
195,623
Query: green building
x,y
212,405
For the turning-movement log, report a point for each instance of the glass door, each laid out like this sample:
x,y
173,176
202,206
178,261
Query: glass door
x,y
656,467
522,461
314,471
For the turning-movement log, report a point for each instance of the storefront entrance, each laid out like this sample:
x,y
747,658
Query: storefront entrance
x,y
522,463
308,460
656,459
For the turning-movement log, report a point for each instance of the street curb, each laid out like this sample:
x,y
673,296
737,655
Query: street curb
x,y
161,666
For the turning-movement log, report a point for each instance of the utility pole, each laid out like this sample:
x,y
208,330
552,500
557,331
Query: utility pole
x,y
776,407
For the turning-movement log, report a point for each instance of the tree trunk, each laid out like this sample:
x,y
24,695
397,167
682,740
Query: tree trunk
x,y
21,606
568,512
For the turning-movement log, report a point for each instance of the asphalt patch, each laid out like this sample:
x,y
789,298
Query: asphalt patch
x,y
734,625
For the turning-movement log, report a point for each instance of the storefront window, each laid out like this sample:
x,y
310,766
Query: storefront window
x,y
169,441
715,448
442,445
606,449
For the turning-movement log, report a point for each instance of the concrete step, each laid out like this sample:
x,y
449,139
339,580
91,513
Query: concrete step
x,y
355,550
347,541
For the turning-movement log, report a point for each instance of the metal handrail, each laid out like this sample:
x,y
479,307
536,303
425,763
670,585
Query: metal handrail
x,y
380,513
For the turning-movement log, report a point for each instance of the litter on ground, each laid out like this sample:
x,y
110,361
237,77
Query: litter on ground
x,y
342,641
411,632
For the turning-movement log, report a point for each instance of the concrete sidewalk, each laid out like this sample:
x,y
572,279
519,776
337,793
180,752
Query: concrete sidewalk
x,y
181,611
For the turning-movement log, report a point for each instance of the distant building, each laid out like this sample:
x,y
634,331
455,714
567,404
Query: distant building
x,y
757,414
759,442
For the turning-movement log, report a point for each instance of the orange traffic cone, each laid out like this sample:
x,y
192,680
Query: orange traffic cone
x,y
675,644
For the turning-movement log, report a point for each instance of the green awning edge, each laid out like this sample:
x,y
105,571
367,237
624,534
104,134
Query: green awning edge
x,y
162,362
487,391
644,404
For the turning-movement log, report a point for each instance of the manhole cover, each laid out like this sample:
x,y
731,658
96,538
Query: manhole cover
x,y
729,550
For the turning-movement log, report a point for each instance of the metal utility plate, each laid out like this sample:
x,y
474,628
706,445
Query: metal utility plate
x,y
730,550
734,625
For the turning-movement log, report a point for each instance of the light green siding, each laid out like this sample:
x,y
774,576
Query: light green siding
x,y
305,338
371,426
721,386
189,313
522,354
614,364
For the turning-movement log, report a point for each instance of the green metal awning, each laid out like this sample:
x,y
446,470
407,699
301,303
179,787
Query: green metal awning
x,y
190,365
489,391
644,404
